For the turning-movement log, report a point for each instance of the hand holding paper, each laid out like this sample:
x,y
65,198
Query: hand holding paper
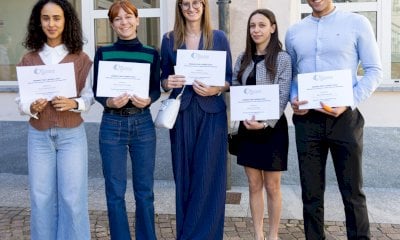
x,y
206,66
118,102
333,88
296,106
333,111
46,81
116,78
140,102
258,101
38,105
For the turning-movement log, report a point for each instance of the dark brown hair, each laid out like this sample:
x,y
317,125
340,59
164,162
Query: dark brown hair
x,y
71,36
273,48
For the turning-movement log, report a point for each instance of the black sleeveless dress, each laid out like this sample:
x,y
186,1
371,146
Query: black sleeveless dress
x,y
264,149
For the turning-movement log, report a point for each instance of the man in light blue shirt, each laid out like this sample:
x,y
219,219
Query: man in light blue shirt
x,y
329,40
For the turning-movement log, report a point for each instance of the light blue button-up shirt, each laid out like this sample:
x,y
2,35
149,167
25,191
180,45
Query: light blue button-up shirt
x,y
337,41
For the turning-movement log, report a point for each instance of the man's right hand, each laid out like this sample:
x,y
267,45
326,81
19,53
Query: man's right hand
x,y
295,106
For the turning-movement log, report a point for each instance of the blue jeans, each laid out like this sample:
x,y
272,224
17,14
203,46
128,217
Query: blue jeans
x,y
118,135
57,162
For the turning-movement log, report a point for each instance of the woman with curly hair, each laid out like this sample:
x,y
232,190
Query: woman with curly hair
x,y
57,145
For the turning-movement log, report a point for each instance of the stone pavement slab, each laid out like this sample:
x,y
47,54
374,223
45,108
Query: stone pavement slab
x,y
383,203
14,225
383,206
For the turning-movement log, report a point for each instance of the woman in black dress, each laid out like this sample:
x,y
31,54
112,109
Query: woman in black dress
x,y
263,148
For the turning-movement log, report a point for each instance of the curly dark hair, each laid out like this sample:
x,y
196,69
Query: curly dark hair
x,y
272,50
71,36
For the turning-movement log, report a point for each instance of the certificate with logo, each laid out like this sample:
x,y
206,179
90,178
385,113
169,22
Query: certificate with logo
x,y
260,101
46,81
117,78
334,88
206,66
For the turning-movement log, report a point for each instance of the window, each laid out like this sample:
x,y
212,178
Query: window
x,y
147,32
99,33
95,27
396,40
12,34
104,4
343,1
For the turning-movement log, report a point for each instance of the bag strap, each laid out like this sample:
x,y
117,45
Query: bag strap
x,y
234,127
180,94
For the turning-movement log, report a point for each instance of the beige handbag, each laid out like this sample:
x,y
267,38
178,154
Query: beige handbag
x,y
168,112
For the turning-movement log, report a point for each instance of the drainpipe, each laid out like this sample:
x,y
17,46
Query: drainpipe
x,y
223,16
223,20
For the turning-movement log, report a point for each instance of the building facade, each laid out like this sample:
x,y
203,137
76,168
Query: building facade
x,y
157,17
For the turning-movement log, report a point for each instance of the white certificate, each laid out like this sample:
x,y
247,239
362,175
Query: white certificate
x,y
117,78
334,88
46,81
205,66
260,101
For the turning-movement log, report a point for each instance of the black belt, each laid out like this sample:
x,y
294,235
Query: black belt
x,y
123,111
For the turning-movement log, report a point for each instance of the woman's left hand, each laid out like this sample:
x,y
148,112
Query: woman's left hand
x,y
63,104
204,90
252,124
140,102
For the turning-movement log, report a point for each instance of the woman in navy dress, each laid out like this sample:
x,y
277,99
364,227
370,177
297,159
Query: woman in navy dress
x,y
198,139
264,145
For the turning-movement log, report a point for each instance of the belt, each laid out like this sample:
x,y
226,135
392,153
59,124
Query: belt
x,y
123,111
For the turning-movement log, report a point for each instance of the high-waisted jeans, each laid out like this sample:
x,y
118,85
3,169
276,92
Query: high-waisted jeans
x,y
58,173
120,135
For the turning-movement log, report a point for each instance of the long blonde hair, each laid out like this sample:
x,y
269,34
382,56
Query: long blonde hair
x,y
180,23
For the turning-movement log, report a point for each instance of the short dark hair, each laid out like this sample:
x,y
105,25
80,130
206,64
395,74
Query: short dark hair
x,y
71,36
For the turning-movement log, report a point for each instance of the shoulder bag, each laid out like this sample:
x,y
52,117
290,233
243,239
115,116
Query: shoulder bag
x,y
168,112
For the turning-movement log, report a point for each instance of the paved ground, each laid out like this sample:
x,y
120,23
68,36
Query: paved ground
x,y
14,224
381,180
384,213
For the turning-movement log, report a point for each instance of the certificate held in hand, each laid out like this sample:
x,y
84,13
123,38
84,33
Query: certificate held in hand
x,y
117,78
206,66
333,88
46,81
260,101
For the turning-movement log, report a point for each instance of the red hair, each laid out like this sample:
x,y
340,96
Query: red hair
x,y
124,4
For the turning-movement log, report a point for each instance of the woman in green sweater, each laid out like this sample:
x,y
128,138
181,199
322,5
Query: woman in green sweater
x,y
127,125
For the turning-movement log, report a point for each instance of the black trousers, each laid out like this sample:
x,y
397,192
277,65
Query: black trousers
x,y
316,135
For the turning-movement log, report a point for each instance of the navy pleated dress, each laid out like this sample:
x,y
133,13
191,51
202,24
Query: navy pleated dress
x,y
199,149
